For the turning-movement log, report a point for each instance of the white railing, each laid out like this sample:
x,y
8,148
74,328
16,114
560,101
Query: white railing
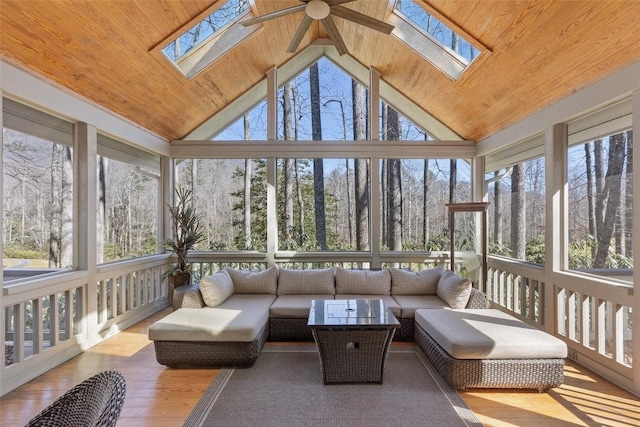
x,y
591,314
204,263
53,317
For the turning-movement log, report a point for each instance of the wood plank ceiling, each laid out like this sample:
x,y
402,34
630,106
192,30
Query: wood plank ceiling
x,y
541,51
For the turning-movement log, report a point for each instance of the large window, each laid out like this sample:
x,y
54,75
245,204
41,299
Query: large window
x,y
413,195
233,209
38,203
600,194
517,211
323,204
128,192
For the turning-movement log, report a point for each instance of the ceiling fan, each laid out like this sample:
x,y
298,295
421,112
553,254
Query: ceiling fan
x,y
323,10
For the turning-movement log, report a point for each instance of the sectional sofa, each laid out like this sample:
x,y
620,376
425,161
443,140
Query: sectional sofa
x,y
230,315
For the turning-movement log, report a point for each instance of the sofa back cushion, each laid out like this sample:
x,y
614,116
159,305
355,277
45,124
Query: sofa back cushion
x,y
423,282
215,289
453,289
365,282
254,281
306,282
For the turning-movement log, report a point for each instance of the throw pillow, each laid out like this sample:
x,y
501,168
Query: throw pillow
x,y
454,290
363,282
254,281
425,282
215,289
306,282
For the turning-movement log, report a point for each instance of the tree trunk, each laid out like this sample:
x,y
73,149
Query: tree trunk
x,y
394,170
611,193
628,218
360,170
287,184
590,196
247,189
425,203
54,203
518,213
598,171
318,164
453,179
66,230
498,214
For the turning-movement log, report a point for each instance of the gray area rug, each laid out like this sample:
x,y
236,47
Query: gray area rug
x,y
285,388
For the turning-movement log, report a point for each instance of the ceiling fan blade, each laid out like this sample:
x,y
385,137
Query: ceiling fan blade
x,y
362,19
334,35
273,15
300,32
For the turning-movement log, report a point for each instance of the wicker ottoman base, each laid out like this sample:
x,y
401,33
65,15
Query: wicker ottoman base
x,y
353,356
178,354
540,374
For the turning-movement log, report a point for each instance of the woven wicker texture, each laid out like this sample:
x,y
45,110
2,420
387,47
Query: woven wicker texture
x,y
97,401
194,353
353,356
540,374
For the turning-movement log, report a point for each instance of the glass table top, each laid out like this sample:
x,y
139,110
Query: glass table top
x,y
357,312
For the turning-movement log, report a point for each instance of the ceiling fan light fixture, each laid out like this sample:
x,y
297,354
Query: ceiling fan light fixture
x,y
317,9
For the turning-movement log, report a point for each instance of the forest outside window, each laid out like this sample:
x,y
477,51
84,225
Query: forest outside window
x,y
413,195
323,204
127,211
600,190
38,204
517,214
231,196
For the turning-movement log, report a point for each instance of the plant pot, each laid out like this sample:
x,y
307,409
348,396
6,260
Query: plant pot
x,y
177,281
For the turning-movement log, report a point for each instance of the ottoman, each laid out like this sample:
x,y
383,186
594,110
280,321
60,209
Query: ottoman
x,y
486,348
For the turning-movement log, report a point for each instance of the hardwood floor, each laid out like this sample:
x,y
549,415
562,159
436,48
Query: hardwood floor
x,y
158,396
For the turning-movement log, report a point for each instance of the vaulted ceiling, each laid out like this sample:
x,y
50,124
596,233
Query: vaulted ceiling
x,y
537,52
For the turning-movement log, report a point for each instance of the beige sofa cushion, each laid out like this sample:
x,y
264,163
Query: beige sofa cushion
x,y
453,289
294,306
216,288
306,282
423,282
410,303
366,282
254,281
488,334
239,319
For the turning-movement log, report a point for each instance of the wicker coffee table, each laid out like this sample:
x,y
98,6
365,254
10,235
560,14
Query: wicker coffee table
x,y
353,337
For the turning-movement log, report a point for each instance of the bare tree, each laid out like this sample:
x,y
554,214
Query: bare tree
x,y
318,164
497,206
247,189
425,202
288,163
360,170
394,180
598,171
590,196
610,197
518,212
628,219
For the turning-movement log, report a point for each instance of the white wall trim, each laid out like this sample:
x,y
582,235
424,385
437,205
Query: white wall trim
x,y
35,91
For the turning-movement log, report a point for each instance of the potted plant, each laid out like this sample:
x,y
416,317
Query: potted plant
x,y
186,233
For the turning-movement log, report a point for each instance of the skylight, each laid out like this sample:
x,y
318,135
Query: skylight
x,y
430,37
205,29
445,35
